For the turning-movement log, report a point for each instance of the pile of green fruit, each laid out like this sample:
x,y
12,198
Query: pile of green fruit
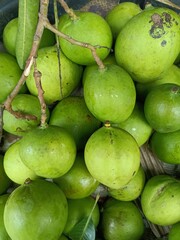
x,y
110,85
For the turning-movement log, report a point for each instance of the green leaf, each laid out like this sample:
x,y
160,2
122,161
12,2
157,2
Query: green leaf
x,y
83,231
27,21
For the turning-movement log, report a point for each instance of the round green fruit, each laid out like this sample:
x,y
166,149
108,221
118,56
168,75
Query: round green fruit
x,y
166,146
132,190
109,93
36,210
25,104
5,181
77,182
88,28
15,169
3,232
121,220
78,209
149,44
174,232
137,125
112,156
118,16
72,114
48,151
162,108
58,81
9,75
160,200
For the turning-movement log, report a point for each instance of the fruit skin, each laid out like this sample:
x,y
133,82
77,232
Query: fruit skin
x,y
5,181
8,80
121,220
79,209
137,125
132,189
89,28
55,87
160,200
3,232
72,114
118,16
149,44
162,108
77,182
48,151
15,169
27,104
109,93
166,146
172,75
36,210
116,152
174,232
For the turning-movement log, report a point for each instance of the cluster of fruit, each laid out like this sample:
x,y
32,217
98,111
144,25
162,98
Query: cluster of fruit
x,y
113,87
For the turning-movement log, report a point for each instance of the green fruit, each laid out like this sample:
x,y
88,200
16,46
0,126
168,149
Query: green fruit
x,y
9,75
132,189
5,181
57,83
10,33
112,156
137,125
109,93
77,182
36,210
15,169
162,108
121,220
149,44
174,232
86,27
48,151
26,104
118,16
72,114
172,75
78,209
160,200
166,146
3,232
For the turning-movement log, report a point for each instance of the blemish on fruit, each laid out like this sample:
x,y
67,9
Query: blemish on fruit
x,y
163,43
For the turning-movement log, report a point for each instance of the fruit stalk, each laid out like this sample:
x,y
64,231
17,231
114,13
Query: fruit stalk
x,y
68,10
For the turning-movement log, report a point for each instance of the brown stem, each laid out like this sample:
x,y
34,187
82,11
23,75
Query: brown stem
x,y
37,77
75,42
68,10
37,37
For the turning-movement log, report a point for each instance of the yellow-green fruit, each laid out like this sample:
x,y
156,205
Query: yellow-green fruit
x,y
36,210
10,74
5,181
132,189
3,232
174,232
120,15
77,182
25,104
86,27
78,209
15,169
58,81
160,200
121,220
149,44
112,156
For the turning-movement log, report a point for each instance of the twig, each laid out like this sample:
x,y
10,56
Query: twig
x,y
1,122
167,2
76,42
68,10
37,37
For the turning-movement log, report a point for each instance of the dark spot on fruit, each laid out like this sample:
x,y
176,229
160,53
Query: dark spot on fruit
x,y
172,195
163,43
176,89
134,173
158,23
